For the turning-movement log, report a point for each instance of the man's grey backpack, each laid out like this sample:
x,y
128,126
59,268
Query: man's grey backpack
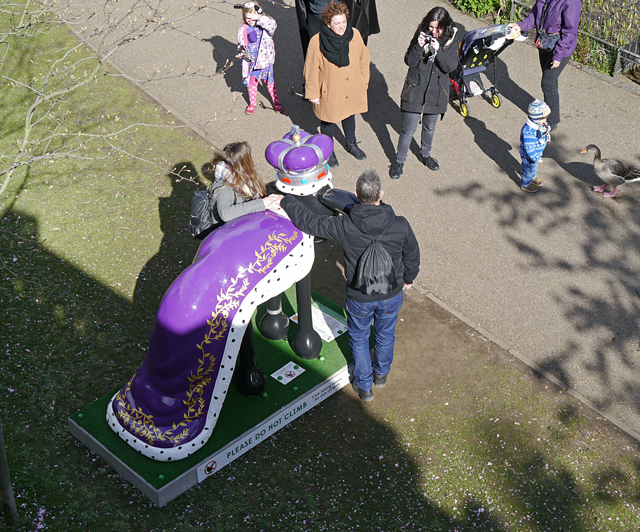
x,y
374,272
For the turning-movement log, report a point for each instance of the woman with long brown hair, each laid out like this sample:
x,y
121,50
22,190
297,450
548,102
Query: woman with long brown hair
x,y
237,188
432,55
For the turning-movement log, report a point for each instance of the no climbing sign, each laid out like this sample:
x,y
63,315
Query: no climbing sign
x,y
287,373
210,467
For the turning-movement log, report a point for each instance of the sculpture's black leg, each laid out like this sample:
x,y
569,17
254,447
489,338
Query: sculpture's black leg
x,y
250,379
307,343
274,325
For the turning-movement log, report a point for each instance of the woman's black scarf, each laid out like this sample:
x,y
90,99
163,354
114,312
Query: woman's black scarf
x,y
336,47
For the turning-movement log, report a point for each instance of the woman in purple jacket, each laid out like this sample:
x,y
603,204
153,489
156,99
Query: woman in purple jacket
x,y
554,16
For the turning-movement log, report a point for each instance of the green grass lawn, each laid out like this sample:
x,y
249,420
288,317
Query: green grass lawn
x,y
89,247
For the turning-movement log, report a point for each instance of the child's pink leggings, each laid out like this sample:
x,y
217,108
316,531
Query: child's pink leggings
x,y
253,92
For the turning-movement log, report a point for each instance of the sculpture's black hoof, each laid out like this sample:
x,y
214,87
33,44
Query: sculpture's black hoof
x,y
307,344
250,379
274,326
251,382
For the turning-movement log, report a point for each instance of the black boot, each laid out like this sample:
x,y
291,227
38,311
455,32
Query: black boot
x,y
352,148
396,170
429,162
250,379
333,160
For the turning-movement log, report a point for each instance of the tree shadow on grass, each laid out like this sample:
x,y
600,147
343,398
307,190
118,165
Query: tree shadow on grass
x,y
551,494
612,482
539,484
73,339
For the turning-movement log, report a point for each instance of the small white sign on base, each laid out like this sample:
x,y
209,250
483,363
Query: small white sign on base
x,y
287,373
327,323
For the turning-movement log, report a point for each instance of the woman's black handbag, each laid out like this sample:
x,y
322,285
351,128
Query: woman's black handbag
x,y
547,41
202,220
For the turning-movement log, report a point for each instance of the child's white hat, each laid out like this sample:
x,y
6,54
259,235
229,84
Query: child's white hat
x,y
538,109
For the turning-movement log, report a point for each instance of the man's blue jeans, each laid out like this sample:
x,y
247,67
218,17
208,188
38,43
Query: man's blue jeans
x,y
384,315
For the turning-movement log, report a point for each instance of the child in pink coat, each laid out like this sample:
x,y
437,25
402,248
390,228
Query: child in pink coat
x,y
256,48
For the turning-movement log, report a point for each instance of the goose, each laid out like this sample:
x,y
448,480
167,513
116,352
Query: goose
x,y
612,171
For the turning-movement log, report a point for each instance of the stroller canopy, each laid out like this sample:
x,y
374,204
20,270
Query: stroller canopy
x,y
492,38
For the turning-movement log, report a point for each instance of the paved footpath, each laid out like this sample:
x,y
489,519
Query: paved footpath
x,y
553,276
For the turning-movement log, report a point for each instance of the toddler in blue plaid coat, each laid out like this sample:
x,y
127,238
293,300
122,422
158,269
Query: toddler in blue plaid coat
x,y
533,140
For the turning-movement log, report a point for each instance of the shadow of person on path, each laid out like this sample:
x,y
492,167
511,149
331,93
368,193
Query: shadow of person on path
x,y
383,112
177,248
494,147
509,89
289,67
582,171
227,64
289,63
300,112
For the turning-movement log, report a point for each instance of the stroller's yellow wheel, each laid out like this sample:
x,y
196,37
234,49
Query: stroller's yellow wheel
x,y
495,100
464,109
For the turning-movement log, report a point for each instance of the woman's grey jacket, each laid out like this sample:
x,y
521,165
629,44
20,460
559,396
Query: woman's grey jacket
x,y
230,205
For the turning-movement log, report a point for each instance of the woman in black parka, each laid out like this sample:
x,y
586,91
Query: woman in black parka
x,y
431,56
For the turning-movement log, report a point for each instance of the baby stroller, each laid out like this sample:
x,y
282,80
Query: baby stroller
x,y
479,48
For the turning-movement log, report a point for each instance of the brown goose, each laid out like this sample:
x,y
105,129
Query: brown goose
x,y
612,171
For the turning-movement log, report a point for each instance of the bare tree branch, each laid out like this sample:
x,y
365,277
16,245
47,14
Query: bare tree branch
x,y
105,27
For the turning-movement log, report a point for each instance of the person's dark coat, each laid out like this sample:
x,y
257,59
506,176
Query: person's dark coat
x,y
351,231
304,10
364,17
426,87
362,13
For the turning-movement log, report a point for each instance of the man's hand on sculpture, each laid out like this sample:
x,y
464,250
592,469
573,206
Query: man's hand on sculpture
x,y
272,202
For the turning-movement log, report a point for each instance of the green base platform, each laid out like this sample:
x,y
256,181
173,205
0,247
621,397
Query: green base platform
x,y
244,421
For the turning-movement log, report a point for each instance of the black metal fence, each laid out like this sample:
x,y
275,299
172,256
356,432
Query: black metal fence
x,y
610,33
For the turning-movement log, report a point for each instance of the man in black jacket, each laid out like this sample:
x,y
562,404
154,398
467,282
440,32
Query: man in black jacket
x,y
368,220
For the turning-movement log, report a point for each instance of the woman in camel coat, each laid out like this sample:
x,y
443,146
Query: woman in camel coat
x,y
336,74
